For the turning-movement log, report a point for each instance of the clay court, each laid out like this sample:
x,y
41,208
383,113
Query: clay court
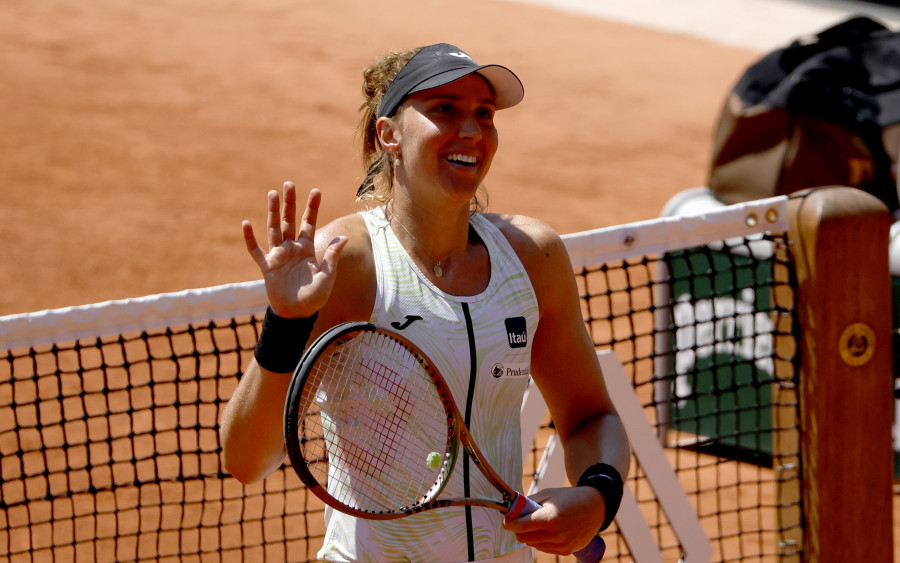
x,y
135,137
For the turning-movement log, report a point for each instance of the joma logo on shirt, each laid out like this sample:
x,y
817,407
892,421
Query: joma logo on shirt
x,y
516,332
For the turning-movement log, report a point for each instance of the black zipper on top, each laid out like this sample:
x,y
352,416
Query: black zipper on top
x,y
468,418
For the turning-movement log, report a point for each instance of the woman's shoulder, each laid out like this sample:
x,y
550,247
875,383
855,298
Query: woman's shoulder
x,y
352,226
540,249
527,235
355,280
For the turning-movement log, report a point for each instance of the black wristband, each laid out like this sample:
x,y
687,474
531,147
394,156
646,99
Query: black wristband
x,y
281,341
608,482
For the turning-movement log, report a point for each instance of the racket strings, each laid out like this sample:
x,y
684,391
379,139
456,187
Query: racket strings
x,y
372,423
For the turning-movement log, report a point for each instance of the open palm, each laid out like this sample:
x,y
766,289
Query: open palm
x,y
297,284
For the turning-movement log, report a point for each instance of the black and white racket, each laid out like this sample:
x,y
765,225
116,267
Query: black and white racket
x,y
372,429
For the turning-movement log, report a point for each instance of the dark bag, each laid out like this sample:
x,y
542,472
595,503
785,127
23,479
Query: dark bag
x,y
823,111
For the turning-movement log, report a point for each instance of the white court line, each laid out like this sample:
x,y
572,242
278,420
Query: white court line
x,y
753,24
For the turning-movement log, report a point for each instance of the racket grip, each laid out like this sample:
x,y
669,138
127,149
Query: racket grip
x,y
591,553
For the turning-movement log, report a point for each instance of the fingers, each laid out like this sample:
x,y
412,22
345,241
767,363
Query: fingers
x,y
289,216
257,253
536,520
533,530
562,524
332,254
311,214
526,523
282,224
273,220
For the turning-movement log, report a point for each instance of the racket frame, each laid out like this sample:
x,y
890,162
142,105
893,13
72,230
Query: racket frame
x,y
458,433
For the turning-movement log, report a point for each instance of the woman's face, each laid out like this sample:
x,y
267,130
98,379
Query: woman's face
x,y
446,137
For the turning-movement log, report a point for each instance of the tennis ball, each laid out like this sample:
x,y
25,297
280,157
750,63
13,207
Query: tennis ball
x,y
434,460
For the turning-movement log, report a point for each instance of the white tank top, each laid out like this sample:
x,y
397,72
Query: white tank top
x,y
482,346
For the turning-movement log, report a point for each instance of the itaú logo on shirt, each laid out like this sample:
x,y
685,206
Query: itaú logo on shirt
x,y
499,370
516,332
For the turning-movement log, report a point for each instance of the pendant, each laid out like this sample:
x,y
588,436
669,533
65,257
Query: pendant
x,y
438,271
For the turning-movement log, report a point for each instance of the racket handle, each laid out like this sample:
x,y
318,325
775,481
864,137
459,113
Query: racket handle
x,y
591,553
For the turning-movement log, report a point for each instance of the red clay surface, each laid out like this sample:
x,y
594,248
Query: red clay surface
x,y
136,136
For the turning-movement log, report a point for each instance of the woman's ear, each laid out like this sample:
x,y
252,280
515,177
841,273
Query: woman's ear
x,y
388,135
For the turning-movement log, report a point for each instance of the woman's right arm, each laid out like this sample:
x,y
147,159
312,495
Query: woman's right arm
x,y
250,431
300,273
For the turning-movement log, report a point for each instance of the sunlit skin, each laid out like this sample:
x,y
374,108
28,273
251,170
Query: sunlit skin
x,y
446,140
435,127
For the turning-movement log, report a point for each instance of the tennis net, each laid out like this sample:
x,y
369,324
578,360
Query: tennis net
x,y
700,311
109,412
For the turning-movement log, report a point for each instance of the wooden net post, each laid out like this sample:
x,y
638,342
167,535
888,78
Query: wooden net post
x,y
839,244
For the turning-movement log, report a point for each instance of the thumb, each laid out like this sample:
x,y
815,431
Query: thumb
x,y
332,254
526,521
540,496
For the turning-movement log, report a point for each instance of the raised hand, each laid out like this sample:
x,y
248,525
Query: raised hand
x,y
297,284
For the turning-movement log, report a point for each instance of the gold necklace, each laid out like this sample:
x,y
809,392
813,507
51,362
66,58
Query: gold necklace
x,y
437,268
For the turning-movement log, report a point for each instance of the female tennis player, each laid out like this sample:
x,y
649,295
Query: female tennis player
x,y
490,298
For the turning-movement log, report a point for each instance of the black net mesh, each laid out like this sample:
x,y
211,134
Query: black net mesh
x,y
110,446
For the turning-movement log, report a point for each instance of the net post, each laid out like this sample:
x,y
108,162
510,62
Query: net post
x,y
839,241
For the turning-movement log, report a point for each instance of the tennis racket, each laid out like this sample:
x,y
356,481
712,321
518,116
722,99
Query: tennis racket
x,y
371,428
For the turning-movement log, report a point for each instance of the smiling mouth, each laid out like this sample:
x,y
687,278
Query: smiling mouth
x,y
462,159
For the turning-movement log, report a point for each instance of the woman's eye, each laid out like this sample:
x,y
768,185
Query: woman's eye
x,y
485,113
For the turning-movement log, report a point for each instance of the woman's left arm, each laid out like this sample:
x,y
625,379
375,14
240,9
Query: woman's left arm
x,y
565,368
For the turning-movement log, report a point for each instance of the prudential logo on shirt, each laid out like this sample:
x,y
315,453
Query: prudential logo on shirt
x,y
516,332
499,370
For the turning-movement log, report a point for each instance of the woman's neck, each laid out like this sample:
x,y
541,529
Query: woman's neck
x,y
435,241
